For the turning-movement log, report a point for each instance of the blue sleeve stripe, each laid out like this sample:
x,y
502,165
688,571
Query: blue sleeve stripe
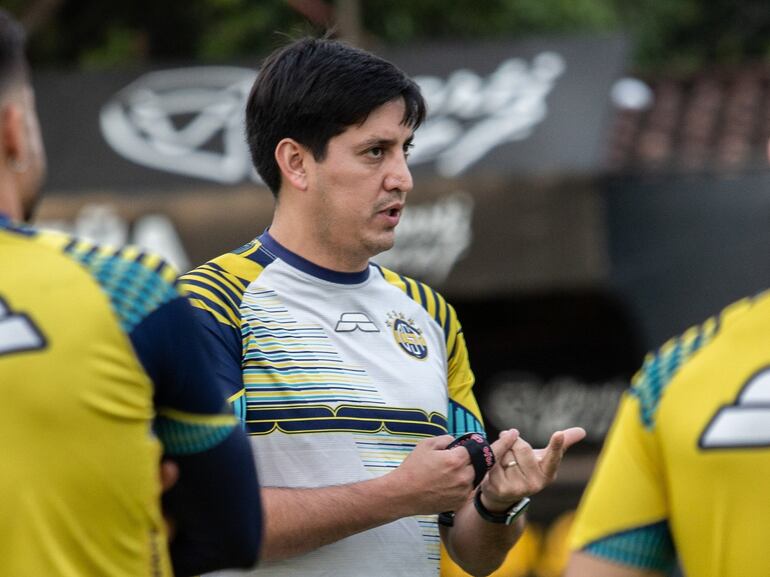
x,y
228,279
451,354
437,305
215,285
650,548
445,318
239,283
71,245
218,308
421,291
408,287
462,421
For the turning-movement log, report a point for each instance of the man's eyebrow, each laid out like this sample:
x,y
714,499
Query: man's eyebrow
x,y
384,142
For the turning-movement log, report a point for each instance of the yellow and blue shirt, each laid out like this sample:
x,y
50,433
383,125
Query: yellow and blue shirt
x,y
684,471
99,379
336,377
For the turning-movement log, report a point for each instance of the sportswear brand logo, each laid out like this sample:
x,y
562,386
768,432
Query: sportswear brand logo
x,y
745,423
408,336
17,332
350,322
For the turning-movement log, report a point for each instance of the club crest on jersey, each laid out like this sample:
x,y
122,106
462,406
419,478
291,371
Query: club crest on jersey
x,y
407,335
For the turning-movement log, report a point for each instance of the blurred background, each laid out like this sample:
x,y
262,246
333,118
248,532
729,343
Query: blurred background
x,y
592,178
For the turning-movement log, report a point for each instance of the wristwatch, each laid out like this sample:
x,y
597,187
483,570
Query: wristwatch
x,y
506,518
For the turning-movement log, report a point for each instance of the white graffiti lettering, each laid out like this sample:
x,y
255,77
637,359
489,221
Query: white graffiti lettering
x,y
190,121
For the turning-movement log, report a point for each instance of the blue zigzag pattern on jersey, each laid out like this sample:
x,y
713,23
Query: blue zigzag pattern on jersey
x,y
658,370
650,547
134,289
183,438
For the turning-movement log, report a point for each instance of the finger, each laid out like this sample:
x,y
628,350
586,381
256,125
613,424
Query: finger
x,y
504,443
439,442
526,459
573,435
169,474
553,454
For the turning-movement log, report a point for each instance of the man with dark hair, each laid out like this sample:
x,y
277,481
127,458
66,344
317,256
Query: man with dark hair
x,y
98,348
348,376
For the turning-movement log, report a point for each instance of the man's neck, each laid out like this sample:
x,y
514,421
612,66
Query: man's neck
x,y
304,241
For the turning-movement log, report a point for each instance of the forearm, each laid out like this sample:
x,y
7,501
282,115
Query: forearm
x,y
301,520
217,517
478,546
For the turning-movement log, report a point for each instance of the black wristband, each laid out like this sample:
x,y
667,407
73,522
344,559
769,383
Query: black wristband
x,y
482,459
506,518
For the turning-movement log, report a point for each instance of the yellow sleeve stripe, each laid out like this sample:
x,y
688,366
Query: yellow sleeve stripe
x,y
130,252
215,302
216,420
454,330
236,396
229,280
239,266
54,238
211,289
412,290
198,303
393,279
430,300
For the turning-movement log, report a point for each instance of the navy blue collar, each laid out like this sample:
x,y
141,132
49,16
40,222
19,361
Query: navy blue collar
x,y
272,246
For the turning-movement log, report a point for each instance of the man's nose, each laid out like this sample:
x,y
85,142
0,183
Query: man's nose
x,y
399,177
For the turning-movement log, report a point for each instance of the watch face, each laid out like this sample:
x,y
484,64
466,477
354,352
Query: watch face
x,y
517,510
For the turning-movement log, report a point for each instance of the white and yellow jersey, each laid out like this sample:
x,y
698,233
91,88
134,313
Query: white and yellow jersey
x,y
336,377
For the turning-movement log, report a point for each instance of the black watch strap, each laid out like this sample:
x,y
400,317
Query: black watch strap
x,y
506,518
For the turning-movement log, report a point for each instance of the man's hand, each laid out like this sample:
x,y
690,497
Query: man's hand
x,y
169,475
439,480
520,470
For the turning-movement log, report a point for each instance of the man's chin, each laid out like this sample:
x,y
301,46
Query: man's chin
x,y
380,245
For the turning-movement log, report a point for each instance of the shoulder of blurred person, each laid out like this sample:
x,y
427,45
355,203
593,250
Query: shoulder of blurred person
x,y
691,434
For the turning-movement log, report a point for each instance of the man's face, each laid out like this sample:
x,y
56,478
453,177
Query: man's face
x,y
361,185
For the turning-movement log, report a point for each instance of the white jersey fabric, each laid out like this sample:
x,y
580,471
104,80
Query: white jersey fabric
x,y
336,377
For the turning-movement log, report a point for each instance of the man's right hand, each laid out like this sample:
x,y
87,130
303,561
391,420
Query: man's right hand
x,y
439,480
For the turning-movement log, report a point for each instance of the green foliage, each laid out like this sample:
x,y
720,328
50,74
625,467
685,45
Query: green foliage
x,y
240,28
679,34
406,21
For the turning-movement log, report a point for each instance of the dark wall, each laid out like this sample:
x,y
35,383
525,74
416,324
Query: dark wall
x,y
682,248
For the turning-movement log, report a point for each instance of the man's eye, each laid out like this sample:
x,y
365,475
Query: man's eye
x,y
408,149
376,152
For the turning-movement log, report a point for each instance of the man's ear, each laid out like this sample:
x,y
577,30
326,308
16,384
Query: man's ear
x,y
292,159
12,136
